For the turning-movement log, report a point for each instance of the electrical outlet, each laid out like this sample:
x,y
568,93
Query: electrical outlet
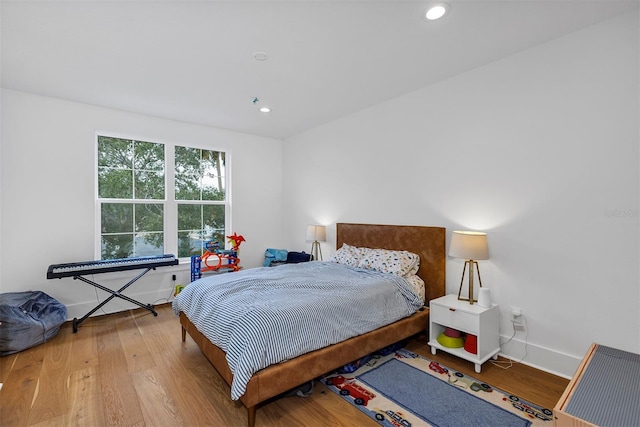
x,y
516,312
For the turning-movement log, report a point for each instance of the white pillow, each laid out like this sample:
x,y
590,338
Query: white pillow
x,y
396,262
347,255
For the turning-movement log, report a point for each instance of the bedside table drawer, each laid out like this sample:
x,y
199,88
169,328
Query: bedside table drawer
x,y
454,318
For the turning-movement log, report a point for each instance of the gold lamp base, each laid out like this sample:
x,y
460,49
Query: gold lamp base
x,y
316,251
471,264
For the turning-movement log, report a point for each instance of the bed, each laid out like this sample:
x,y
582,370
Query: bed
x,y
427,242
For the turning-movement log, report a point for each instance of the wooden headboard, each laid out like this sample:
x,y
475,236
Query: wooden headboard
x,y
428,242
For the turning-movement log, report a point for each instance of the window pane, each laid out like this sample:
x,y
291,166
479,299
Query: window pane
x,y
187,187
187,160
189,244
215,235
189,217
149,185
117,217
198,224
115,168
149,170
149,217
213,216
149,156
115,183
147,244
187,173
213,172
117,246
211,192
149,226
115,152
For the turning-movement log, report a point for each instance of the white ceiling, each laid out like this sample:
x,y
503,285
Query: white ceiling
x,y
193,60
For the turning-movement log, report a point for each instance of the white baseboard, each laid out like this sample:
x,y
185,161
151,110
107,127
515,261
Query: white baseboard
x,y
542,358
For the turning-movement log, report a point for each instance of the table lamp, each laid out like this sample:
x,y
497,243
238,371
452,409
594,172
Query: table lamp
x,y
470,246
316,234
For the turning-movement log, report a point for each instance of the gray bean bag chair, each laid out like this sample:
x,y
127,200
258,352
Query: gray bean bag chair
x,y
28,319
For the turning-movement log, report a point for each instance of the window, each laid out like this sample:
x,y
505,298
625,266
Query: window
x,y
159,198
199,189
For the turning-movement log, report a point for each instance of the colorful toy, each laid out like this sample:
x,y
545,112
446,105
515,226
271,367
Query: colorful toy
x,y
542,413
217,259
349,387
195,267
394,418
236,241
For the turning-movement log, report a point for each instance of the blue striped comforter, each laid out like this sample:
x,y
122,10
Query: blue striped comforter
x,y
263,316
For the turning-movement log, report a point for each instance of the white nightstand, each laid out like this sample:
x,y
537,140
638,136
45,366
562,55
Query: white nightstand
x,y
448,311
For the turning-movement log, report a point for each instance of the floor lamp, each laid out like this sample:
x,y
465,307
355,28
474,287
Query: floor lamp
x,y
470,246
316,234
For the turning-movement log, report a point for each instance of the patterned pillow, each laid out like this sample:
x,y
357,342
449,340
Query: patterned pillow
x,y
386,261
417,284
347,255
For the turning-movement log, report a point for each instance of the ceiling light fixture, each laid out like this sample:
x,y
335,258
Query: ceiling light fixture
x,y
265,109
260,56
436,11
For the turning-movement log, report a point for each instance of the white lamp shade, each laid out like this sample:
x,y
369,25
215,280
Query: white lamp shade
x,y
469,245
316,233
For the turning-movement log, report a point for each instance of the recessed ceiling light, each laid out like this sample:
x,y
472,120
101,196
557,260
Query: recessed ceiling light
x,y
260,56
436,11
265,109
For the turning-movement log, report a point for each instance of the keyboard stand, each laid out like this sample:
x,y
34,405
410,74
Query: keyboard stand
x,y
114,294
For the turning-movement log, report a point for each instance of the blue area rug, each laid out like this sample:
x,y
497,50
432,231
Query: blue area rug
x,y
404,389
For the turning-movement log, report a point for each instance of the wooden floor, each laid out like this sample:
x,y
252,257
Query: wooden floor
x,y
132,369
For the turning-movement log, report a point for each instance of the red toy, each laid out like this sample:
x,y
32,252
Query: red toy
x,y
212,259
236,241
348,387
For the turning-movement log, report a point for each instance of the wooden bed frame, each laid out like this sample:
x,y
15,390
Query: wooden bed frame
x,y
428,242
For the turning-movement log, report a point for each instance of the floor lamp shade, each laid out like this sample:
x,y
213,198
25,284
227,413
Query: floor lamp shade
x,y
470,246
316,234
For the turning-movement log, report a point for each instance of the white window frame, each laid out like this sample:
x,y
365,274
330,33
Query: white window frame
x,y
169,201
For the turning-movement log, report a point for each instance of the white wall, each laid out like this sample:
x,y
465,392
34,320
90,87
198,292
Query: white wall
x,y
540,150
47,177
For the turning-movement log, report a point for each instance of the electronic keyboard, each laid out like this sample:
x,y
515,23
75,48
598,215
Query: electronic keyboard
x,y
58,271
79,269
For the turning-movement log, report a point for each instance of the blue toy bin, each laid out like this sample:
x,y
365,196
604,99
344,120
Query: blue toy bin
x,y
28,319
